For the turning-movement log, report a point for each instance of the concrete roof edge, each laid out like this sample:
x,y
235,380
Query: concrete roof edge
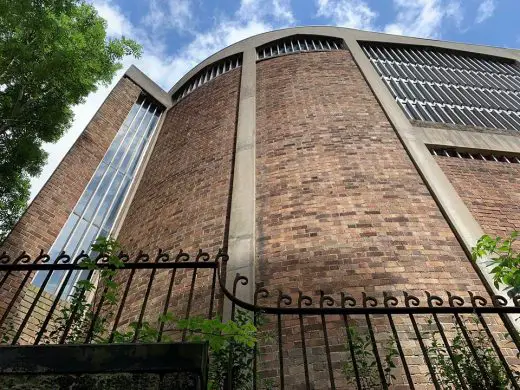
x,y
340,32
149,86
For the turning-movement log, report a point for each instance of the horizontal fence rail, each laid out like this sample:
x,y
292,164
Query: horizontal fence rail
x,y
145,288
282,340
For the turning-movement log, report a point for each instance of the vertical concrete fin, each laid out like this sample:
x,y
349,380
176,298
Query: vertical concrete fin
x,y
241,245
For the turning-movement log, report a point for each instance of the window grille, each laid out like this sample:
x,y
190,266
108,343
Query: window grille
x,y
296,44
449,87
207,74
95,213
475,155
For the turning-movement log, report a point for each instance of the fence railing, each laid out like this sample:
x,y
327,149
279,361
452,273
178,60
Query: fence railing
x,y
418,340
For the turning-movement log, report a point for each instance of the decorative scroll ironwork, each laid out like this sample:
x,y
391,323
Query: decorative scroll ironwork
x,y
304,328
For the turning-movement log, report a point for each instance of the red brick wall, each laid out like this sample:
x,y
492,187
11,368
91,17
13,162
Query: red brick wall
x,y
48,212
182,198
491,191
340,205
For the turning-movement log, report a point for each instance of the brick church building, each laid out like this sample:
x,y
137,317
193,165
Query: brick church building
x,y
319,158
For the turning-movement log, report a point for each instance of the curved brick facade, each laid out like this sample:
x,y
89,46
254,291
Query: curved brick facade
x,y
339,203
182,199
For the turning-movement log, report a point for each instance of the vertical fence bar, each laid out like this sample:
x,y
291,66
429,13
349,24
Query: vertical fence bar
x,y
448,349
15,297
90,332
255,347
477,300
392,301
231,363
373,303
286,299
4,278
74,310
445,340
121,306
204,257
352,302
307,301
212,297
330,302
412,300
462,327
145,299
18,334
57,299
167,301
263,293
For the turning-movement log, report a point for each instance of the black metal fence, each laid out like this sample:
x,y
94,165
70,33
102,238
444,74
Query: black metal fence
x,y
299,341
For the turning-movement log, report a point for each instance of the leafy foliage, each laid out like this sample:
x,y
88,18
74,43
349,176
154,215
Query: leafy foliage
x,y
474,378
78,316
506,261
365,360
231,343
13,200
53,53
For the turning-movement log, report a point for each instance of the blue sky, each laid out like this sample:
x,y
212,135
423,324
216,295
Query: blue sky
x,y
178,34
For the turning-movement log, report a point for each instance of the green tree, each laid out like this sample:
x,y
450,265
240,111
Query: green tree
x,y
53,53
13,200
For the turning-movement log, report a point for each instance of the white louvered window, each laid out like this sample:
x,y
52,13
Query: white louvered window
x,y
434,85
207,74
483,155
297,44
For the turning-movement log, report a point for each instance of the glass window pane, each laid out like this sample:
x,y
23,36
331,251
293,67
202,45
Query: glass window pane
x,y
460,80
57,276
134,145
117,203
139,153
108,199
80,207
57,247
77,237
100,192
122,131
130,133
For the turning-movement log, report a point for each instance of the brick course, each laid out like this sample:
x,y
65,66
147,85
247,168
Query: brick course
x,y
340,205
182,199
41,223
491,191
48,212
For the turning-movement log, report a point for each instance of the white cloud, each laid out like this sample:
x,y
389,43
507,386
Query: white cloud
x,y
279,10
485,10
165,14
423,18
162,67
348,13
117,23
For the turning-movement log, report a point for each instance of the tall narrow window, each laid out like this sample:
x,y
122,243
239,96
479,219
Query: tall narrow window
x,y
95,213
